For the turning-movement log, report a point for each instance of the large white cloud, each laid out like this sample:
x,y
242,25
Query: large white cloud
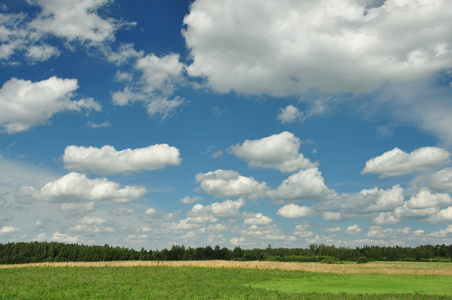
x,y
425,198
304,185
287,47
76,187
397,162
74,20
295,211
278,151
24,104
107,160
228,183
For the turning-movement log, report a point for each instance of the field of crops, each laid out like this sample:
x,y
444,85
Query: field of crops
x,y
226,280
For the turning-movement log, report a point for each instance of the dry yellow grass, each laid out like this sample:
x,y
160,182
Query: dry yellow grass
x,y
347,268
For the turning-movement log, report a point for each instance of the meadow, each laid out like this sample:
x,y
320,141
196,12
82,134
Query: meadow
x,y
226,280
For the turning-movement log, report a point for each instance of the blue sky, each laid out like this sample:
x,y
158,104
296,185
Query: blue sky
x,y
231,123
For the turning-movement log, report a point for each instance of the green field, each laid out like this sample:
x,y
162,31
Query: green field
x,y
212,283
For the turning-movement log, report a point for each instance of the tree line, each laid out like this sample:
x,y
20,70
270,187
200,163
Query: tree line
x,y
31,252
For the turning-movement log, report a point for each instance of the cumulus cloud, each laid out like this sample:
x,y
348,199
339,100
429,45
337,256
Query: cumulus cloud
x,y
158,81
64,238
91,224
304,185
41,53
397,162
257,219
425,198
107,160
278,151
302,231
441,181
385,200
25,104
287,47
228,208
290,114
189,200
76,187
8,230
74,20
160,73
225,209
294,211
444,215
150,211
353,229
228,183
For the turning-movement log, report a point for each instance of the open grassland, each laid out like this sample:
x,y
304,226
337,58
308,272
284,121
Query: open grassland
x,y
409,268
226,280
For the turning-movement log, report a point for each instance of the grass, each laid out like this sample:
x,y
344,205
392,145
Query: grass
x,y
218,280
364,283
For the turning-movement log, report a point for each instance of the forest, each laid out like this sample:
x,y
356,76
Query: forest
x,y
33,252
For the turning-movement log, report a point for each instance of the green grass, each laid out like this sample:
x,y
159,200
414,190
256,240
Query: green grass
x,y
363,283
203,283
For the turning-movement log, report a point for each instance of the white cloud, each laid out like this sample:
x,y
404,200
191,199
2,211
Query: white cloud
x,y
257,219
331,216
99,125
228,183
294,211
24,104
386,200
442,181
278,151
287,47
160,73
74,20
302,231
389,233
107,160
425,198
228,208
87,220
159,78
164,108
122,211
8,230
353,229
77,207
444,215
289,114
76,187
397,162
304,185
225,209
126,52
41,53
188,200
64,238
333,229
150,211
